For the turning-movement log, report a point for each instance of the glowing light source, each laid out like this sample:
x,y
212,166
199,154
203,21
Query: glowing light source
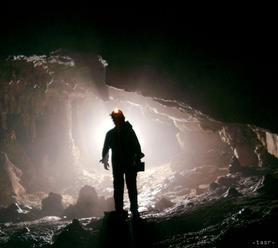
x,y
116,110
99,131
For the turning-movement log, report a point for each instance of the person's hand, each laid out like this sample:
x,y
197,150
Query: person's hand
x,y
105,164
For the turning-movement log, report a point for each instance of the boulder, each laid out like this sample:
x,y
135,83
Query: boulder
x,y
16,213
88,204
73,235
232,192
52,205
163,203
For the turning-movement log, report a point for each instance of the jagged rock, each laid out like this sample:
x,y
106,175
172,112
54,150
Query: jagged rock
x,y
73,235
87,204
52,204
36,104
268,185
213,186
266,160
14,213
226,181
243,140
21,238
22,159
231,192
163,203
11,189
234,165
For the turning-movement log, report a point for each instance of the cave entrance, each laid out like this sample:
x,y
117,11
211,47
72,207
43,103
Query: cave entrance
x,y
170,134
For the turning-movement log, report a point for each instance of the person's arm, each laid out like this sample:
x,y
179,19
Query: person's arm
x,y
105,152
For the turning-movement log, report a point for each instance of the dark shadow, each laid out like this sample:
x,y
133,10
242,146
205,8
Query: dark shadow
x,y
117,230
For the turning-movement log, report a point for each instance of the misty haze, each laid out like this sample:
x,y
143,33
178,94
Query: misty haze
x,y
203,111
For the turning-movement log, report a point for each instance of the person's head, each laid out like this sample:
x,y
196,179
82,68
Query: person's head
x,y
117,117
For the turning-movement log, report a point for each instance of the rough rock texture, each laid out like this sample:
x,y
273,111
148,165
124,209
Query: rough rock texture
x,y
52,204
18,213
231,192
73,235
243,141
163,203
11,188
36,98
45,102
265,159
267,185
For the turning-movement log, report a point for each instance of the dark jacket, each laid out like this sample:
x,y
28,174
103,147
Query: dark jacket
x,y
124,145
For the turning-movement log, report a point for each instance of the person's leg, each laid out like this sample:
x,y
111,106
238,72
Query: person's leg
x,y
132,190
118,190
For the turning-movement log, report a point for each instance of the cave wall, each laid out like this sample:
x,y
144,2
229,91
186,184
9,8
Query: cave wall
x,y
42,101
36,97
11,188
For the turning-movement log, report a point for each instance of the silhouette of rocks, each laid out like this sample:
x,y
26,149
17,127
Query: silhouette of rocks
x,y
234,165
265,158
267,185
87,204
243,140
231,192
114,230
246,171
73,235
21,238
226,180
16,213
52,205
163,203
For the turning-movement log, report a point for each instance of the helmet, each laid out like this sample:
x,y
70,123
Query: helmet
x,y
117,113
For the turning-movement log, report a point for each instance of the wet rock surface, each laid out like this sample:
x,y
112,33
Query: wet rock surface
x,y
241,213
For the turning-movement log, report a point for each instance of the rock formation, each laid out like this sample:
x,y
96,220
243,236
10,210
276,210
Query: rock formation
x,y
11,189
52,205
88,204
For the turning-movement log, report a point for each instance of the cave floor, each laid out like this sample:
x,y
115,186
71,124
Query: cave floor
x,y
242,221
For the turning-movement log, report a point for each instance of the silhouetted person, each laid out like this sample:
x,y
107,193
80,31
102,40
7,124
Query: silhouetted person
x,y
126,150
